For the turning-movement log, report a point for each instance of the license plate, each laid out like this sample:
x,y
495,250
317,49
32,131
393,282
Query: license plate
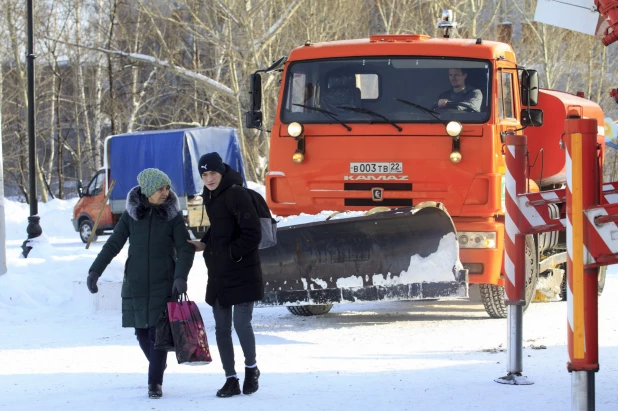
x,y
376,168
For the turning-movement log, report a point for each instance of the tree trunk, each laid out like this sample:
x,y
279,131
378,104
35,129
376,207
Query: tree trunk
x,y
81,95
110,71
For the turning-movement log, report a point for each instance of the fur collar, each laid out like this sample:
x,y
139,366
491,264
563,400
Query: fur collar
x,y
138,205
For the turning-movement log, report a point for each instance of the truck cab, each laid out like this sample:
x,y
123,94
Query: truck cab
x,y
399,120
359,125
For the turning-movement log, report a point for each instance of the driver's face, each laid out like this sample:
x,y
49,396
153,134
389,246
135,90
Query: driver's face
x,y
457,78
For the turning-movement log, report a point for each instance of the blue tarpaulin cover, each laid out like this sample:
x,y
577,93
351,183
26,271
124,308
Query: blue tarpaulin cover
x,y
175,152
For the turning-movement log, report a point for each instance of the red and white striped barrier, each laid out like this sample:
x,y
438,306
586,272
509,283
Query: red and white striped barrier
x,y
534,208
583,192
514,243
589,213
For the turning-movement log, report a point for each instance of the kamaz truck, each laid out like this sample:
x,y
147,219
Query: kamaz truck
x,y
377,122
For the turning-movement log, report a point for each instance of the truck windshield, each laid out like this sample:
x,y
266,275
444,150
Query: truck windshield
x,y
400,89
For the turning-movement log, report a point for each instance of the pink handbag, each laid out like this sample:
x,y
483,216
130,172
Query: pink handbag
x,y
188,332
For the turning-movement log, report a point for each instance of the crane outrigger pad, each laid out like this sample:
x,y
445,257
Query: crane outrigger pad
x,y
401,254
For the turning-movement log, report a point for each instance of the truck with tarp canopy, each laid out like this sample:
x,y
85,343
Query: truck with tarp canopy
x,y
175,152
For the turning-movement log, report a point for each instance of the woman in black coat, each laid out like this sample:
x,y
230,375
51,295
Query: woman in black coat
x,y
234,273
157,266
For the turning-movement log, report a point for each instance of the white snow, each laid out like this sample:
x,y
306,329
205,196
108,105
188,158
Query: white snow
x,y
58,353
323,284
303,218
436,268
350,282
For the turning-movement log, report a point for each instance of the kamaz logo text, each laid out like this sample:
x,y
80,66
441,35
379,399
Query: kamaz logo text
x,y
375,178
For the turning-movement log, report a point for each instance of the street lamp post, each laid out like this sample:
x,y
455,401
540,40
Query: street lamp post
x,y
34,229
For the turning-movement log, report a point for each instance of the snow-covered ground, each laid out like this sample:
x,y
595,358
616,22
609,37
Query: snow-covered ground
x,y
58,353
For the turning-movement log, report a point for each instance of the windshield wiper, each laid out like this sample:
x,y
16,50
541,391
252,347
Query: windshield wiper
x,y
371,113
434,113
325,112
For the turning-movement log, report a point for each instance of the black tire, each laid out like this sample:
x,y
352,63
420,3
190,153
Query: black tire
x,y
85,228
493,295
308,310
493,300
600,287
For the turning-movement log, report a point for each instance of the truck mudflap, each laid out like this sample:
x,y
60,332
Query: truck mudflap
x,y
401,254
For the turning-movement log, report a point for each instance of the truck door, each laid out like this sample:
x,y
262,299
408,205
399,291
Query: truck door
x,y
507,117
95,196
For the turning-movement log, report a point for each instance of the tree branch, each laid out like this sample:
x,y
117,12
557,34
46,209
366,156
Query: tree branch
x,y
161,63
277,27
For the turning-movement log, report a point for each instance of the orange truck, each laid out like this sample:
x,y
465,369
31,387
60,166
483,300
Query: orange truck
x,y
398,121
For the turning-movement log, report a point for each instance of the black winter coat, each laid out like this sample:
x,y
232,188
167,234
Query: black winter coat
x,y
231,254
158,253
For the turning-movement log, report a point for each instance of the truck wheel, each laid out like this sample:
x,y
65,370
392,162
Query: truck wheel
x,y
85,228
493,295
307,310
600,286
493,300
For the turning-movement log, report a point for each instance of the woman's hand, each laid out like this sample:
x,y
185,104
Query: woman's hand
x,y
199,246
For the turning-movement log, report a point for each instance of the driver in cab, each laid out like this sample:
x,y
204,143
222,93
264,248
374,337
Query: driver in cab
x,y
460,97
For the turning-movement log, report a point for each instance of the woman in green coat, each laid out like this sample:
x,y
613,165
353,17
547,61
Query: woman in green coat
x,y
157,266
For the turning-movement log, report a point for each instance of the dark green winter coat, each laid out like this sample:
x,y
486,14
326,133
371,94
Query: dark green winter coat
x,y
158,253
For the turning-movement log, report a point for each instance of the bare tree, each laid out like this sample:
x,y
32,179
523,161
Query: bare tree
x,y
15,36
149,64
80,91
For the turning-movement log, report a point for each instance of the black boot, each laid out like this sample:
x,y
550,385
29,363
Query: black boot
x,y
231,387
251,380
154,391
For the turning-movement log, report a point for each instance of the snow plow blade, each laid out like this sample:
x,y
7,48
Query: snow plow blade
x,y
401,254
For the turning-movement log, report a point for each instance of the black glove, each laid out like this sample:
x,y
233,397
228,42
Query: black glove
x,y
180,286
91,282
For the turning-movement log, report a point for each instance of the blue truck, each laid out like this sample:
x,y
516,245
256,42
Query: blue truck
x,y
176,152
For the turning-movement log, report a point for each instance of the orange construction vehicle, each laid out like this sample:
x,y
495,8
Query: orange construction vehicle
x,y
415,124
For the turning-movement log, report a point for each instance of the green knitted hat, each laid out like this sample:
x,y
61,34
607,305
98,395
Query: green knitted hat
x,y
152,179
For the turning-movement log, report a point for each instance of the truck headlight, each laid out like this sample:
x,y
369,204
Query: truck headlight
x,y
453,128
295,129
476,239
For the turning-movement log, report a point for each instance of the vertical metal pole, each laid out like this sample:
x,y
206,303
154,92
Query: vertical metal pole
x,y
34,229
31,111
514,257
514,319
582,391
583,179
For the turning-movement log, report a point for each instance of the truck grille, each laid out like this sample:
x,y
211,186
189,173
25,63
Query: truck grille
x,y
385,186
388,202
394,202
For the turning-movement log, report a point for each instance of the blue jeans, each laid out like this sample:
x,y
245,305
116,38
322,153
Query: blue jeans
x,y
156,358
242,315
